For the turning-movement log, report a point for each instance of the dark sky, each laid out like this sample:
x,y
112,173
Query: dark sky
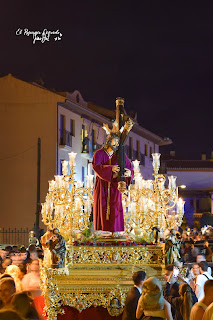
x,y
158,55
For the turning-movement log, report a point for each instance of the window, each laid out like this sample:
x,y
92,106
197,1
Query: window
x,y
145,150
150,152
72,127
62,128
83,174
138,150
93,138
60,171
84,131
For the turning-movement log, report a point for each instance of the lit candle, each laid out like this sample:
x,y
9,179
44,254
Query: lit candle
x,y
58,181
72,159
89,169
156,160
149,184
180,205
89,181
51,185
136,166
65,167
172,182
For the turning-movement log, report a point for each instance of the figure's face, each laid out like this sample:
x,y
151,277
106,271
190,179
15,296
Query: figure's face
x,y
6,292
114,144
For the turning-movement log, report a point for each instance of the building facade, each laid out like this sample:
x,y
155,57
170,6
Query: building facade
x,y
65,122
197,176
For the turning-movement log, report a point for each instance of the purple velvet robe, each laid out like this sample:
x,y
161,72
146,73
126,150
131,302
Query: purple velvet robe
x,y
104,175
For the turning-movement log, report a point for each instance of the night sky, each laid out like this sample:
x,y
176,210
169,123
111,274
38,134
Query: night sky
x,y
158,55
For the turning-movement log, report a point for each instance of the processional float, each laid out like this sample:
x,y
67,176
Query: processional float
x,y
96,272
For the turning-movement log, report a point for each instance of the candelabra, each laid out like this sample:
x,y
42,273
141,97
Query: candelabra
x,y
149,203
68,204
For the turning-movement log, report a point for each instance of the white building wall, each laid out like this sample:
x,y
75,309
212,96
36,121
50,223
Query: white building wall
x,y
81,161
193,179
146,170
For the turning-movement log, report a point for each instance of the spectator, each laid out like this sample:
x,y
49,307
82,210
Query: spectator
x,y
31,281
21,302
34,255
8,249
195,271
25,256
6,262
133,296
194,252
23,271
208,313
201,279
200,258
152,303
7,289
3,254
15,272
182,304
199,308
207,251
174,285
9,315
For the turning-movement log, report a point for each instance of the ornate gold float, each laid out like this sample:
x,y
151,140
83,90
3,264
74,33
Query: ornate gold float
x,y
97,276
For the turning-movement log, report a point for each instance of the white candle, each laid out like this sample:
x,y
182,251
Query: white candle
x,y
156,160
136,166
58,181
89,169
65,167
51,185
72,159
172,182
89,181
149,184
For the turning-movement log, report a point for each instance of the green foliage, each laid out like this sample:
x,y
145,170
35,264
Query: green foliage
x,y
86,234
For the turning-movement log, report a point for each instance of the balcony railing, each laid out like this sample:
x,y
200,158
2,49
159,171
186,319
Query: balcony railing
x,y
65,138
89,148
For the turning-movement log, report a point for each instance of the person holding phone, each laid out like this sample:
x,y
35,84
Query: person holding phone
x,y
187,299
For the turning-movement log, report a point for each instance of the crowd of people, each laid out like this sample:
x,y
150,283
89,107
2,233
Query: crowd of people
x,y
194,243
19,282
186,293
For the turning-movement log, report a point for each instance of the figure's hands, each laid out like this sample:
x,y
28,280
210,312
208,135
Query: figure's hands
x,y
127,173
115,169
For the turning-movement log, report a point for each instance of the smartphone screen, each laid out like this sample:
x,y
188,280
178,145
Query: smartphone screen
x,y
175,272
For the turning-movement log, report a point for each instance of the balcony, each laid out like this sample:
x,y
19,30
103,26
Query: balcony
x,y
65,139
88,148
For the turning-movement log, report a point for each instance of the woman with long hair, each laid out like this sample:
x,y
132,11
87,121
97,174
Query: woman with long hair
x,y
182,304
